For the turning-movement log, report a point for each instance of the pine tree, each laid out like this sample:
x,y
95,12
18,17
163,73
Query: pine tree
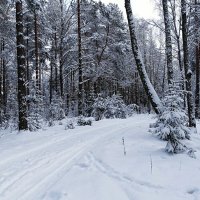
x,y
21,65
188,72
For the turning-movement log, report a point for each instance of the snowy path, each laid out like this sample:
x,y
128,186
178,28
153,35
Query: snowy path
x,y
87,163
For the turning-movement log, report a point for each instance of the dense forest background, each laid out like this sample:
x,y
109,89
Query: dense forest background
x,y
69,58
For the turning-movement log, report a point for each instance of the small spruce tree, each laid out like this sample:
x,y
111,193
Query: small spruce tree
x,y
172,123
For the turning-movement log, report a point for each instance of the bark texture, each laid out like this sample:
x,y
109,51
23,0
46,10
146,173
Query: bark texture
x,y
168,42
188,72
80,70
21,66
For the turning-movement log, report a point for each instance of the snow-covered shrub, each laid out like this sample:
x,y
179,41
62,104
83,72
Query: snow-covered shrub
x,y
132,109
69,125
51,122
34,122
115,107
172,123
56,111
84,122
35,118
99,108
109,107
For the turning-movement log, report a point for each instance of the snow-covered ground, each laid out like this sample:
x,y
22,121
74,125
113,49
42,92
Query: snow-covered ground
x,y
88,163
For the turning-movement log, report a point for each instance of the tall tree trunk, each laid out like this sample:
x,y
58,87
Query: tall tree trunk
x,y
168,42
1,78
188,72
151,93
38,89
27,63
197,103
80,72
3,90
61,49
55,62
4,79
21,66
197,82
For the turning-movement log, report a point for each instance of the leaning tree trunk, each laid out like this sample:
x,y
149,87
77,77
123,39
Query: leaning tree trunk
x,y
188,72
21,66
168,42
151,93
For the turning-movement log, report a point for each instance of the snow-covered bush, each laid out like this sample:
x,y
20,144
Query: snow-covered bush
x,y
34,121
115,107
56,111
35,114
84,122
99,108
109,107
69,125
172,123
132,109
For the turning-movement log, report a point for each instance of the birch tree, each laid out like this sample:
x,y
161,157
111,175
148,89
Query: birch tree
x,y
168,41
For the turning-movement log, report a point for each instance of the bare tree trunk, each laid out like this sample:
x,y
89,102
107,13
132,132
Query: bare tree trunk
x,y
1,78
151,93
36,54
4,79
197,82
27,57
168,42
61,49
188,72
51,81
21,66
55,62
197,103
80,72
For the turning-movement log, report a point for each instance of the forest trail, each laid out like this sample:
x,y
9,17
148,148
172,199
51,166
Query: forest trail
x,y
88,163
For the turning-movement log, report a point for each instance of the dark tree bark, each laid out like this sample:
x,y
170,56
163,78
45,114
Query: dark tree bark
x,y
152,95
197,103
21,66
61,49
38,89
188,72
55,61
168,42
51,76
1,78
3,91
80,70
4,79
27,57
197,81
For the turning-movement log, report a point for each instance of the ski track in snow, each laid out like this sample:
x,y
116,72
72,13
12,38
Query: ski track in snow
x,y
84,164
104,168
21,174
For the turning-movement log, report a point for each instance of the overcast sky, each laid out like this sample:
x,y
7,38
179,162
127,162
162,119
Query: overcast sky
x,y
141,8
